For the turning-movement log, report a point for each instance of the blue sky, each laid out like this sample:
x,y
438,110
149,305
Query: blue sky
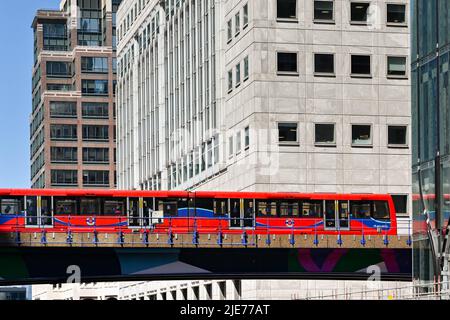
x,y
16,63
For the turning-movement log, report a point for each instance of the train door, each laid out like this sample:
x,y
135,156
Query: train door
x,y
39,212
46,211
330,215
337,215
31,212
249,213
135,212
235,213
344,215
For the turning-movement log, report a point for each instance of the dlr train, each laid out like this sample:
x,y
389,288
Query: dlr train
x,y
203,212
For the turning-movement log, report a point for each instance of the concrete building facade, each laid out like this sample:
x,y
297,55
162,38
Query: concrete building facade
x,y
278,95
72,125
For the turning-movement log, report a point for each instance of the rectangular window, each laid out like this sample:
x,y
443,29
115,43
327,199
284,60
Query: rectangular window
x,y
396,67
396,14
237,23
64,155
287,63
287,9
94,64
95,87
359,12
63,132
323,64
361,66
247,138
59,69
64,177
229,30
230,146
245,18
288,132
400,204
95,178
95,155
238,143
397,136
230,81
325,134
246,68
238,75
95,133
323,11
97,110
62,109
361,135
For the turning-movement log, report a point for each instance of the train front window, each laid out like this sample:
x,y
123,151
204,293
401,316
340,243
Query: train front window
x,y
65,206
360,209
312,209
12,205
289,209
380,210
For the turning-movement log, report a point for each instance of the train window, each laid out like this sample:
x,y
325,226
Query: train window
x,y
65,206
360,209
380,210
288,209
312,209
90,206
266,208
221,207
168,206
204,204
12,205
114,207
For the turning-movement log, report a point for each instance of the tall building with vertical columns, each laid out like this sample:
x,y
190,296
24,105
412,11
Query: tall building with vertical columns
x,y
72,136
276,95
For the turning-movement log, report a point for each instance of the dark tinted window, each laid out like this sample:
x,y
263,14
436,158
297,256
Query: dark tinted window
x,y
325,133
64,154
323,10
359,11
360,65
324,63
361,135
397,135
400,203
287,62
312,209
360,209
380,210
286,9
62,109
396,13
287,132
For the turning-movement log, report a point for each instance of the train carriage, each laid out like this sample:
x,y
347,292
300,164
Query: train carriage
x,y
188,212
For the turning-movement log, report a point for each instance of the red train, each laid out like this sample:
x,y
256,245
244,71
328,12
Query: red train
x,y
202,212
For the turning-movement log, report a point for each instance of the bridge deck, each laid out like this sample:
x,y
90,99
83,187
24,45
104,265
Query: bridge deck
x,y
155,240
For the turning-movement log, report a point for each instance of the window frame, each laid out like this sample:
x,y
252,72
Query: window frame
x,y
291,20
324,21
295,143
369,145
245,18
403,77
361,75
325,144
358,23
287,73
237,23
230,81
324,74
397,146
397,24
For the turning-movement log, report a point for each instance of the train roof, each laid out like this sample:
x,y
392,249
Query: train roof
x,y
184,194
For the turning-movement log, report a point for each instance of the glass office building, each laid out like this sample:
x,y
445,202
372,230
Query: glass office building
x,y
430,135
